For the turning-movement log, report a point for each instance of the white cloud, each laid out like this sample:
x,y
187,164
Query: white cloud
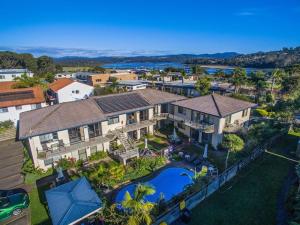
x,y
245,13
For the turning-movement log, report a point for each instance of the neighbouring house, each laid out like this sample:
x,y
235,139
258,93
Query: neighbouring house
x,y
11,74
205,119
13,101
80,128
72,202
104,79
132,85
65,75
68,90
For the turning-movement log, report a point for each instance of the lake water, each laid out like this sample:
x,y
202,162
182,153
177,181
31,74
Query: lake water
x,y
169,182
163,65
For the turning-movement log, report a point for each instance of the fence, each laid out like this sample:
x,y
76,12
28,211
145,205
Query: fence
x,y
193,200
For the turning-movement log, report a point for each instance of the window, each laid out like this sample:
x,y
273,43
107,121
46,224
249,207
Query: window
x,y
82,154
98,80
18,107
93,149
48,162
2,77
13,76
245,112
48,137
113,120
36,106
3,110
181,110
77,91
181,125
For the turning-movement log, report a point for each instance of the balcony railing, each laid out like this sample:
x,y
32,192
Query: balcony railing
x,y
232,128
203,126
124,155
59,149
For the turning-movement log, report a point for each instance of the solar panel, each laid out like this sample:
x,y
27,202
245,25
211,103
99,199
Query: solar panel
x,y
11,96
118,103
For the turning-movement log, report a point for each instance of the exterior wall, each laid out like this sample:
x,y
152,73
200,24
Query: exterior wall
x,y
106,127
5,75
98,79
64,136
103,79
13,114
66,94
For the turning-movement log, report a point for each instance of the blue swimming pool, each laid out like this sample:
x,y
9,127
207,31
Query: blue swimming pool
x,y
169,182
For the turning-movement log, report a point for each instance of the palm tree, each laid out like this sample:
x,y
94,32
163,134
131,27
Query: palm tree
x,y
276,76
239,78
196,176
24,81
139,209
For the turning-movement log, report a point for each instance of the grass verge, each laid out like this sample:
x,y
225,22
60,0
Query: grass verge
x,y
252,196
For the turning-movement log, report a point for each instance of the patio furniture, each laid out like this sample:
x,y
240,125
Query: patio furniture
x,y
187,157
180,154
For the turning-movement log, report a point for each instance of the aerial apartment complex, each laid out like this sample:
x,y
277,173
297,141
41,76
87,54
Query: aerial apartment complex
x,y
80,128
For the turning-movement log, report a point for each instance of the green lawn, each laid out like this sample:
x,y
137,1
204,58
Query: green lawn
x,y
253,195
39,215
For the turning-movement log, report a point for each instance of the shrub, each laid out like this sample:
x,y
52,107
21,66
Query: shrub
x,y
6,125
262,112
232,142
98,155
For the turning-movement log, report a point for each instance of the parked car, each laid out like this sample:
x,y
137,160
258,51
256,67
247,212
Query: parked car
x,y
12,202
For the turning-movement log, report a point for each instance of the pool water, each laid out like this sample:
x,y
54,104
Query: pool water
x,y
169,182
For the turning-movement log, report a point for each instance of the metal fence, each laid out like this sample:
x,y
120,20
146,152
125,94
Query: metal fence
x,y
193,200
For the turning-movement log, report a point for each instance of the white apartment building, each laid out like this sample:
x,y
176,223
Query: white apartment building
x,y
205,119
15,101
80,128
68,90
11,74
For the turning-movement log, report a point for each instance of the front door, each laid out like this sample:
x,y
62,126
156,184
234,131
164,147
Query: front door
x,y
206,138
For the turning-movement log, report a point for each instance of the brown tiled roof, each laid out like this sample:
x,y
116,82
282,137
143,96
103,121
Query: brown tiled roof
x,y
154,96
73,114
19,96
59,117
216,105
60,83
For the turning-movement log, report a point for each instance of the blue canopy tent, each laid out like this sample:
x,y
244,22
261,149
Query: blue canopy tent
x,y
72,202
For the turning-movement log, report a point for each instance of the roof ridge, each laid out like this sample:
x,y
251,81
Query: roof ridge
x,y
213,97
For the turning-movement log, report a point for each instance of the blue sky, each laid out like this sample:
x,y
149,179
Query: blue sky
x,y
120,27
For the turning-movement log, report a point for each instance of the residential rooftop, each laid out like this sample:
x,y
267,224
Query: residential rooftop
x,y
215,105
10,96
82,112
60,83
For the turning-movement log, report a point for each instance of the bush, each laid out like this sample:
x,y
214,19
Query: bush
x,y
98,155
232,142
262,112
6,125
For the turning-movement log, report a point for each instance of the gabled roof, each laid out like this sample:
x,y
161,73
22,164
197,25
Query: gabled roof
x,y
59,117
216,105
87,111
72,201
10,96
60,83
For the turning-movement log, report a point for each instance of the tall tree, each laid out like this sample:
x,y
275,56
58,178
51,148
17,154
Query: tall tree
x,y
24,81
203,85
232,143
277,75
138,208
258,79
239,78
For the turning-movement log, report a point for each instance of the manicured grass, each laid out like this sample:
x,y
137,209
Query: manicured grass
x,y
39,215
251,197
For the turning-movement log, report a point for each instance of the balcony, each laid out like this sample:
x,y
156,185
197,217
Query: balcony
x,y
203,126
233,127
161,116
135,126
59,148
124,155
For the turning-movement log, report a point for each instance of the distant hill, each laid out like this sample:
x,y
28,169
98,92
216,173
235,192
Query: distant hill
x,y
282,58
181,58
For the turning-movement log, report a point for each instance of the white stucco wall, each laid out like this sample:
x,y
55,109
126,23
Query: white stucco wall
x,y
68,93
13,114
